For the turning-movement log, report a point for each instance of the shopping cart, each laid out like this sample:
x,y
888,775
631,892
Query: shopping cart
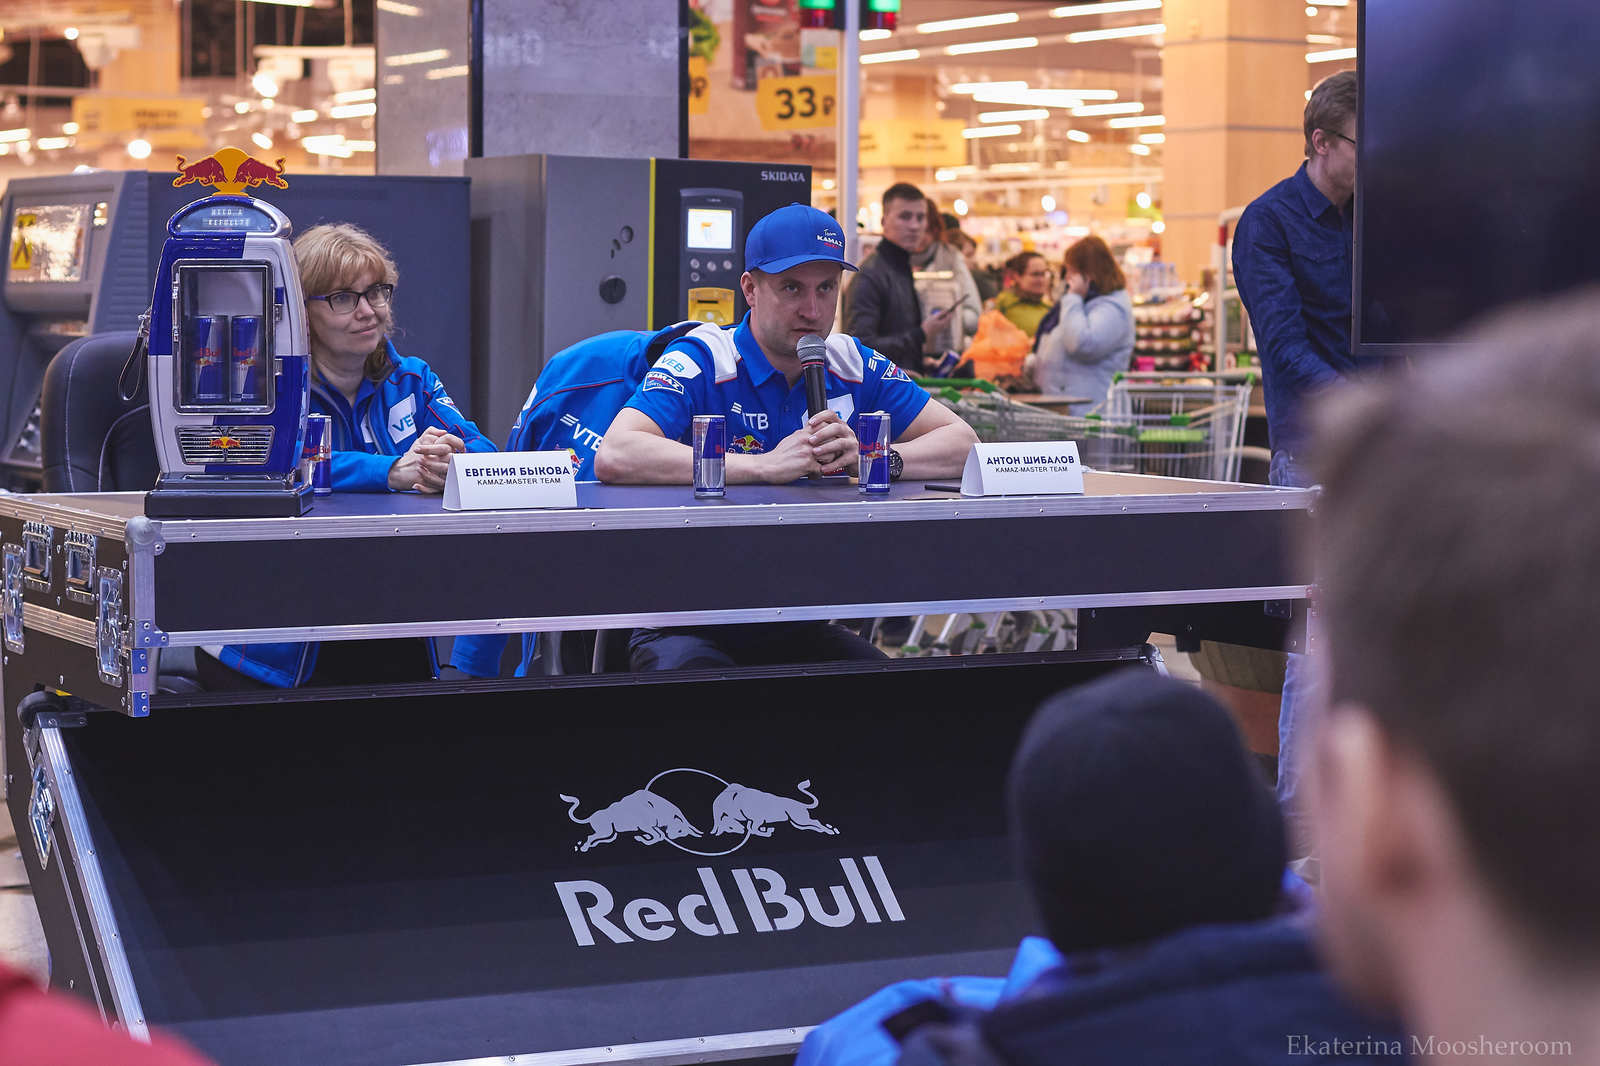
x,y
1183,425
1103,443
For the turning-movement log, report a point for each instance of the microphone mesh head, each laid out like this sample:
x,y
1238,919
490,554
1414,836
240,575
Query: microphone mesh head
x,y
812,349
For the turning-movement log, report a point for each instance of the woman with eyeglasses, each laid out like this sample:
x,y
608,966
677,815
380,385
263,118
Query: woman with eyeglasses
x,y
394,430
394,425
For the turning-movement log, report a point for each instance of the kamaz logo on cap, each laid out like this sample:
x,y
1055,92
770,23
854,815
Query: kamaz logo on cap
x,y
737,811
830,239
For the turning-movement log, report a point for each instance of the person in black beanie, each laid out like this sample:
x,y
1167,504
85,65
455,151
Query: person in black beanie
x,y
1137,812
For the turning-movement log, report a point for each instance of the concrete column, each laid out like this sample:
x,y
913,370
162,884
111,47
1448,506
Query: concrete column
x,y
1234,80
146,64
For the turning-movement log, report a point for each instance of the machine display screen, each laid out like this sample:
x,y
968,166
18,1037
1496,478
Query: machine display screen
x,y
225,218
49,242
709,228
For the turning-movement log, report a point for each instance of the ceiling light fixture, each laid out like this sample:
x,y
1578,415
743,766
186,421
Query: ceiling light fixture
x,y
1111,7
1131,107
1032,114
1139,149
308,115
1006,45
965,87
890,57
1078,135
1043,97
355,95
1137,121
1330,55
406,59
395,7
875,35
1149,29
1152,138
352,110
972,23
991,131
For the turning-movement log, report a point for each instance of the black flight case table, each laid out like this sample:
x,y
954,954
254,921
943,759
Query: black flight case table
x,y
563,870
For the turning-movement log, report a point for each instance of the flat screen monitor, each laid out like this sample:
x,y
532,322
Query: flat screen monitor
x,y
49,242
1478,182
710,228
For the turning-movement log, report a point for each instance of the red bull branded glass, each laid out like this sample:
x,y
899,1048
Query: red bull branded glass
x,y
872,433
205,359
317,456
244,373
710,456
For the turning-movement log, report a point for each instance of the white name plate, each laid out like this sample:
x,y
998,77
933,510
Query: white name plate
x,y
1042,468
483,481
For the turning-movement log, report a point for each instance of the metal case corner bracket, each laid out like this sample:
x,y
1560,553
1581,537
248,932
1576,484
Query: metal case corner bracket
x,y
11,597
109,625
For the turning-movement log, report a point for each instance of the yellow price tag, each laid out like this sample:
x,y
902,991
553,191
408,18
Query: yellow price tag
x,y
699,86
799,103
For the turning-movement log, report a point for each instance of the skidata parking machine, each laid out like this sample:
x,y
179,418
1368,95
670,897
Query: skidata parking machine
x,y
229,352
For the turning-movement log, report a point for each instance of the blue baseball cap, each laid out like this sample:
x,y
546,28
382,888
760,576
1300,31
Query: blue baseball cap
x,y
793,235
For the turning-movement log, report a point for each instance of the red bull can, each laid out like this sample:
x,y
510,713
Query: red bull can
x,y
947,363
205,359
244,362
710,456
316,459
872,434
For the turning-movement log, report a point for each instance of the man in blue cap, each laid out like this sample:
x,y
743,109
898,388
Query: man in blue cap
x,y
751,374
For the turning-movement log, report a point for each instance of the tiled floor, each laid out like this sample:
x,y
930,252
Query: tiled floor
x,y
21,939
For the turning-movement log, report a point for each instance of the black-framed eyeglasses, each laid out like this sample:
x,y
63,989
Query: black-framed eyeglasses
x,y
1342,137
344,301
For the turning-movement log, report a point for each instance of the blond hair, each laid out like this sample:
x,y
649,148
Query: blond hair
x,y
330,257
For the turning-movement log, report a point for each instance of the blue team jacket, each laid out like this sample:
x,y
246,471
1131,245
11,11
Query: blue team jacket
x,y
368,437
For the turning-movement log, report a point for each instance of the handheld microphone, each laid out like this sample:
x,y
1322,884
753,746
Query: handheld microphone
x,y
813,353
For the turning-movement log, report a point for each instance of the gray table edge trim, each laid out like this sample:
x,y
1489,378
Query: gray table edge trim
x,y
456,523
658,1052
729,617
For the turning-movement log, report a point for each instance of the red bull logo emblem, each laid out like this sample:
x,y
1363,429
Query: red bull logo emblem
x,y
229,172
652,818
653,815
748,444
226,443
207,357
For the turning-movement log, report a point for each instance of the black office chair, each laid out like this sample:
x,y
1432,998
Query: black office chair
x,y
92,440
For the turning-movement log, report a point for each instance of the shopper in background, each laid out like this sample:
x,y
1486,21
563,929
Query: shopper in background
x,y
1453,778
1292,261
990,280
1162,909
943,281
394,430
881,309
1027,299
1087,338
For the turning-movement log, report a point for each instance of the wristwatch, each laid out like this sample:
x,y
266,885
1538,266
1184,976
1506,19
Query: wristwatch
x,y
896,465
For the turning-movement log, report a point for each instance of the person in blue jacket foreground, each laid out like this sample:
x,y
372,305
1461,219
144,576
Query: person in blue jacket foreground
x,y
394,430
1154,854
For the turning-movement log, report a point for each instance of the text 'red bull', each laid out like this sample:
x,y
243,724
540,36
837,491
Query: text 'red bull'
x,y
589,906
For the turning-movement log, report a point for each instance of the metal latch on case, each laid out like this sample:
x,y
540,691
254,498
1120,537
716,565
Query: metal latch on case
x,y
110,623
